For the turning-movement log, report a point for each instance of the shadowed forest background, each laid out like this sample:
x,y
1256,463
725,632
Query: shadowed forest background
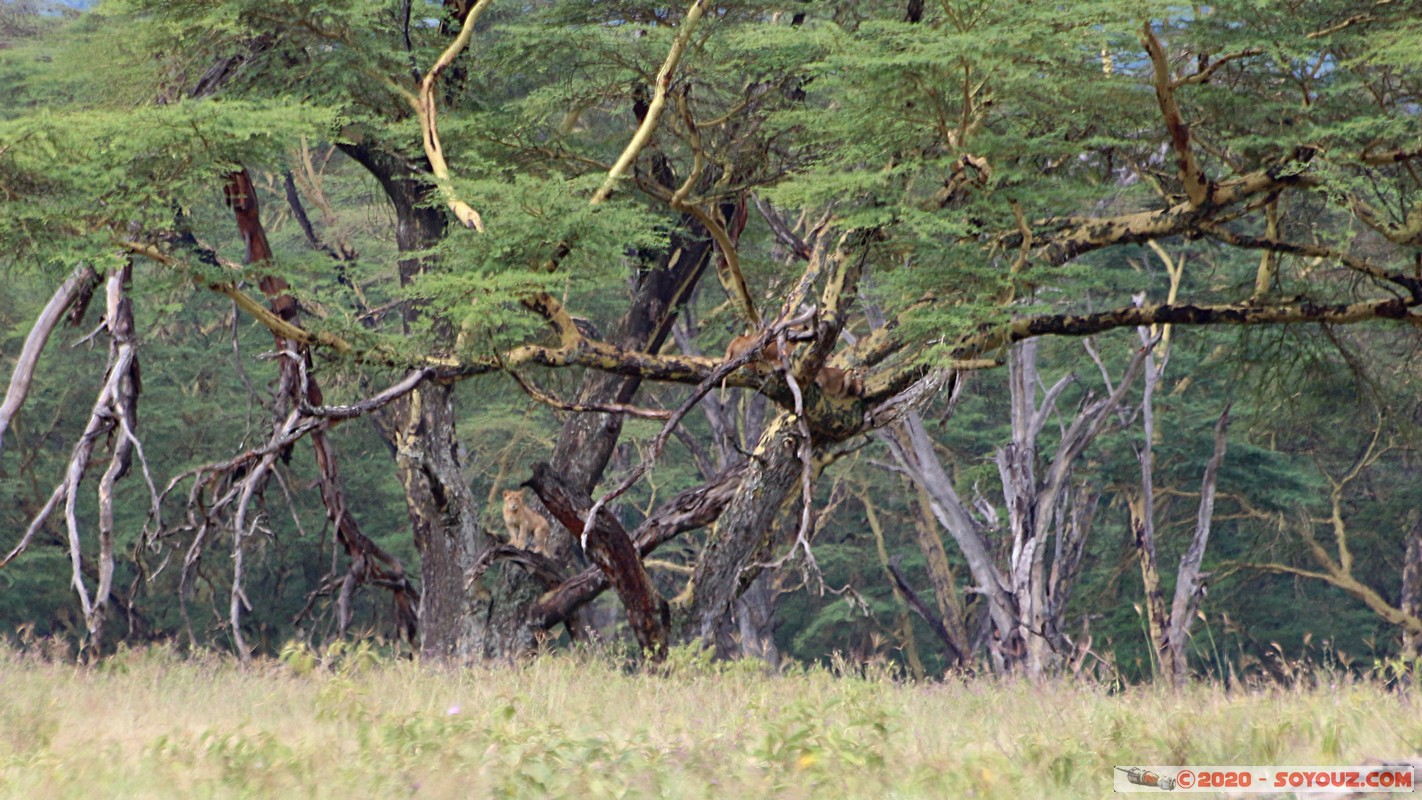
x,y
1076,340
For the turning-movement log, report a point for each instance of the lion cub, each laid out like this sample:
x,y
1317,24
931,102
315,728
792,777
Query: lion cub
x,y
525,525
832,381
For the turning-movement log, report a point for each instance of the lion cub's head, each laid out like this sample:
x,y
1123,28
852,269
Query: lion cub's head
x,y
513,501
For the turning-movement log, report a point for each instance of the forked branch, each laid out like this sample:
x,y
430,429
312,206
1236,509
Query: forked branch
x,y
427,113
658,103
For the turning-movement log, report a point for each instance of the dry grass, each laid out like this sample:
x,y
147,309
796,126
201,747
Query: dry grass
x,y
153,724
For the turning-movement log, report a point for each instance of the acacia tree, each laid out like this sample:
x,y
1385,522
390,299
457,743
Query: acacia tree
x,y
1332,562
981,162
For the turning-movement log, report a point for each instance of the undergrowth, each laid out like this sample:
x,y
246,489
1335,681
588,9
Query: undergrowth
x,y
348,722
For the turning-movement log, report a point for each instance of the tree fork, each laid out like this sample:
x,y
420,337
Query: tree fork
x,y
609,546
688,510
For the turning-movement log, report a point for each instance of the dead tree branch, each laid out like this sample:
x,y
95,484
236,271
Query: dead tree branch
x,y
73,293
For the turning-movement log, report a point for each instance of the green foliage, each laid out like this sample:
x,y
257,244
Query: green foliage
x,y
76,183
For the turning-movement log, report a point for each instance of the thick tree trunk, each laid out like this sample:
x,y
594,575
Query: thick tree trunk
x,y
1411,600
745,528
444,516
444,520
588,440
502,622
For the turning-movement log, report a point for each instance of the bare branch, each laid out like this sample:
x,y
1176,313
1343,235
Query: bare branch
x,y
1412,284
924,612
608,408
1394,156
113,408
404,386
1363,18
689,510
65,296
781,230
612,550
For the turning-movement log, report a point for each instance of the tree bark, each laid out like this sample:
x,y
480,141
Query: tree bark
x,y
754,614
1411,600
444,516
611,549
745,527
444,521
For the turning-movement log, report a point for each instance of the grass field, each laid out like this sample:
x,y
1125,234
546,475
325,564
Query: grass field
x,y
154,724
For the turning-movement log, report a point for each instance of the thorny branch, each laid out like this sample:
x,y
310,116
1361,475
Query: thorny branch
x,y
607,408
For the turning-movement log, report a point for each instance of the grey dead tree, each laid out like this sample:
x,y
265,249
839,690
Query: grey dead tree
x,y
1170,627
1049,512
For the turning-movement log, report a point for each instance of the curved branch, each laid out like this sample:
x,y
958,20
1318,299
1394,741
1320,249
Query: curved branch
x,y
427,114
657,104
80,281
404,386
